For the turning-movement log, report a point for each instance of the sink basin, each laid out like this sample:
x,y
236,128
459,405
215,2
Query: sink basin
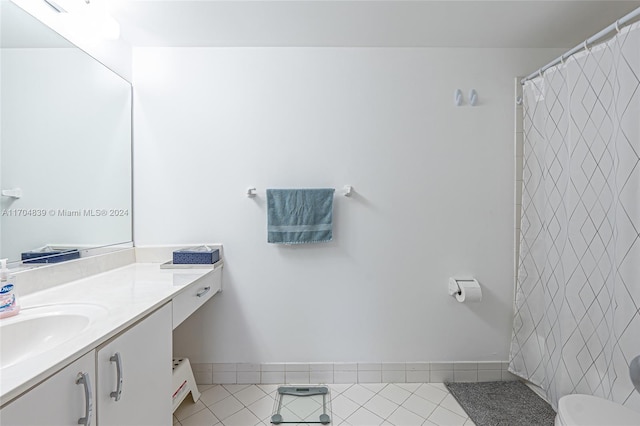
x,y
37,329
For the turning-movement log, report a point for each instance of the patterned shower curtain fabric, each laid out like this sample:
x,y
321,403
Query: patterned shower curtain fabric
x,y
577,307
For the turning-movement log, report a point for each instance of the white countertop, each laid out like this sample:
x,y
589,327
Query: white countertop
x,y
127,293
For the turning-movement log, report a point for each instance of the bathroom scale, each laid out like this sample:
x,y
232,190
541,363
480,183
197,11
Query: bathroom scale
x,y
302,405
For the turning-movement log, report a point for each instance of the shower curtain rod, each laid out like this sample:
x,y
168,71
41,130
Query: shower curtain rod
x,y
616,26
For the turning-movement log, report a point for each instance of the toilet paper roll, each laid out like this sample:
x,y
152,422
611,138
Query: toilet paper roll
x,y
470,291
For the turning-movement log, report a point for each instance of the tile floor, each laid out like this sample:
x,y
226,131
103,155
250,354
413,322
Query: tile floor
x,y
387,404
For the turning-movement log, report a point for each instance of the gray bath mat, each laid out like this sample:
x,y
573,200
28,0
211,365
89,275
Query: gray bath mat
x,y
502,404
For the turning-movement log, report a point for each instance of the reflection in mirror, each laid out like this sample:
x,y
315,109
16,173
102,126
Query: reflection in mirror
x,y
65,145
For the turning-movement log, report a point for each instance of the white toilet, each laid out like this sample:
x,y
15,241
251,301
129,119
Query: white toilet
x,y
588,410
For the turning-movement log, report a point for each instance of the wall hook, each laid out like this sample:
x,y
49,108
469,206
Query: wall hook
x,y
251,192
348,190
12,193
473,97
457,97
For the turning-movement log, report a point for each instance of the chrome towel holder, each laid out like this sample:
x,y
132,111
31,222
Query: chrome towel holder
x,y
347,191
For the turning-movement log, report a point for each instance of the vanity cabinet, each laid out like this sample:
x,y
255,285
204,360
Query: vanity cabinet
x,y
62,399
134,374
127,361
125,381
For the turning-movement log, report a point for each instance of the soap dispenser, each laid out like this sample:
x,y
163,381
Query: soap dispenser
x,y
8,297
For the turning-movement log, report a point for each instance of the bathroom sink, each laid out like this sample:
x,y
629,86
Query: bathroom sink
x,y
38,329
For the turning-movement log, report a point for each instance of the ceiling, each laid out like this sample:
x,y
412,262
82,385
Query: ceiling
x,y
385,23
19,29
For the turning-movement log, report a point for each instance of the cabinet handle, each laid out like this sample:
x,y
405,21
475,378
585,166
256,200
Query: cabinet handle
x,y
118,360
83,379
203,291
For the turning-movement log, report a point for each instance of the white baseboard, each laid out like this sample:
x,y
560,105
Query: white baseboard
x,y
351,372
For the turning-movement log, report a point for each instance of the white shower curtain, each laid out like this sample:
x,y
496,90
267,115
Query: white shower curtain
x,y
577,319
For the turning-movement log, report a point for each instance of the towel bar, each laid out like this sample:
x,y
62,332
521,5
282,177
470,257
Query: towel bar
x,y
347,191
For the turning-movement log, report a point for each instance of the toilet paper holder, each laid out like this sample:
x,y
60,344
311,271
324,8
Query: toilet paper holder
x,y
454,285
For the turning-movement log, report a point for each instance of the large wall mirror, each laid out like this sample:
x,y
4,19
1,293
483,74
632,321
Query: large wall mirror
x,y
65,144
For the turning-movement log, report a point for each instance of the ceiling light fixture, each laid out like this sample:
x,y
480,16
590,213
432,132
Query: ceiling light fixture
x,y
55,6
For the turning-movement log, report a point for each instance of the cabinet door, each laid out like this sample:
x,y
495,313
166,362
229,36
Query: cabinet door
x,y
143,355
59,400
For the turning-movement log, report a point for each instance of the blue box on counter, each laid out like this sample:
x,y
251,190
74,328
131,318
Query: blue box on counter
x,y
50,255
202,255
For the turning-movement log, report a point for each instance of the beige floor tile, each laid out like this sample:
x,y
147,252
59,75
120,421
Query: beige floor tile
x,y
214,394
188,408
227,407
201,418
404,417
364,417
243,417
442,416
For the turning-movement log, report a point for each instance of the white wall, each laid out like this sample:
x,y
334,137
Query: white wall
x,y
434,195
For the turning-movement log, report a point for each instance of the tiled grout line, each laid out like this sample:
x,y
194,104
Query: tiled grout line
x,y
400,405
339,390
413,393
417,414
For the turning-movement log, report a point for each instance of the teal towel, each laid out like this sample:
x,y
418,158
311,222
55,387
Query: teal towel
x,y
299,216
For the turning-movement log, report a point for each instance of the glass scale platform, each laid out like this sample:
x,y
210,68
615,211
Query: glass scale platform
x,y
302,405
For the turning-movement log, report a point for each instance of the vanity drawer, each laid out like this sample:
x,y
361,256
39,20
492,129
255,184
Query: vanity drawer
x,y
186,303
